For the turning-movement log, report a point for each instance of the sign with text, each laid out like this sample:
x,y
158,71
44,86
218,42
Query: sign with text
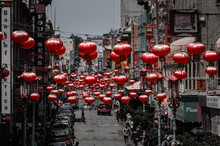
x,y
100,65
201,85
6,57
39,35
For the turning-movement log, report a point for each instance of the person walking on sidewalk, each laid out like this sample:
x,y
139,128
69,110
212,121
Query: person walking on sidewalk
x,y
126,131
83,116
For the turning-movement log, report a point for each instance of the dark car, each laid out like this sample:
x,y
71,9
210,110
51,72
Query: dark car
x,y
104,108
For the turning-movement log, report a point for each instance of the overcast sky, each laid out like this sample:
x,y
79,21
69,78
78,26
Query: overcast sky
x,y
93,17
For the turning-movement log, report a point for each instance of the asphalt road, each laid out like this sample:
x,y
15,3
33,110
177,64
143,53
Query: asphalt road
x,y
98,130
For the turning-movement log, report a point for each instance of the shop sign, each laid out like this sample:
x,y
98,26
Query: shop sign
x,y
6,60
213,102
39,35
100,65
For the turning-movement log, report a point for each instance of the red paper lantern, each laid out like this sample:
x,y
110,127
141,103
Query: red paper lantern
x,y
149,58
53,44
87,47
1,36
19,36
132,90
29,76
112,86
125,99
81,86
132,81
96,93
41,88
116,58
117,96
122,49
108,93
181,57
90,79
116,71
101,86
56,71
4,73
100,76
55,92
49,67
101,96
133,94
52,97
60,79
34,96
211,56
151,77
73,76
89,57
74,93
61,51
120,80
61,91
161,96
161,50
72,99
148,92
143,98
28,44
180,74
121,91
107,100
49,88
196,48
89,100
211,70
68,94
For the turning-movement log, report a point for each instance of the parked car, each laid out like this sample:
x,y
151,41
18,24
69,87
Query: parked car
x,y
104,108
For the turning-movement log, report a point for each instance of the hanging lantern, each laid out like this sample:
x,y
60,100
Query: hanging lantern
x,y
107,100
149,58
87,47
4,73
122,49
108,93
133,94
53,44
68,94
49,88
132,90
118,40
89,57
61,91
90,79
60,79
132,82
81,86
96,93
117,96
1,36
116,58
34,96
27,44
52,97
180,74
120,80
151,77
148,92
56,71
49,67
101,86
101,96
196,48
161,96
172,78
89,100
161,50
41,88
143,98
112,86
85,95
19,36
61,51
29,76
211,56
73,76
74,93
55,92
211,70
72,99
181,57
125,99
121,91
116,71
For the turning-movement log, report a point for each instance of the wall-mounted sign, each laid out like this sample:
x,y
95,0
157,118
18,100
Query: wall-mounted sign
x,y
183,22
39,35
6,57
149,31
213,101
100,65
201,85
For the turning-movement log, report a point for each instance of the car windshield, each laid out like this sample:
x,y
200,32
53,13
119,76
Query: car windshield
x,y
104,106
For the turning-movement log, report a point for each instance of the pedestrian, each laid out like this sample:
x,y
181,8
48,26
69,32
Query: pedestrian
x,y
83,116
126,133
117,115
77,144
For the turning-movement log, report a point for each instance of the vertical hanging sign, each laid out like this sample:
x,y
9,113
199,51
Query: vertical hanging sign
x,y
39,35
6,62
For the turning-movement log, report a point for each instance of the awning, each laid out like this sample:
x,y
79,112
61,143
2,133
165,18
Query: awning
x,y
136,85
180,44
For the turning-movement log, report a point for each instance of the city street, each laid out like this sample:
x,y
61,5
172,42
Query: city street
x,y
99,130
